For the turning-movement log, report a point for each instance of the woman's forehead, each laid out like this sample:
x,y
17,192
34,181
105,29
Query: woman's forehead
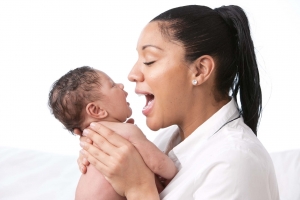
x,y
152,36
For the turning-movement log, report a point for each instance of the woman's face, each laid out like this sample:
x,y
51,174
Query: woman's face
x,y
163,76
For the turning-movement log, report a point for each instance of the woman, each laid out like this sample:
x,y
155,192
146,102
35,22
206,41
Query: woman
x,y
195,64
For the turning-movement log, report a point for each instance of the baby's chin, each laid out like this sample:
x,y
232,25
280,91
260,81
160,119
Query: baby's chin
x,y
130,113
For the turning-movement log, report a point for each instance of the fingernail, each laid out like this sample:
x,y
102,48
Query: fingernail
x,y
88,141
82,152
93,125
85,132
82,144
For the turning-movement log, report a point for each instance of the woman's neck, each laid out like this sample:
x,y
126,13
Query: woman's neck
x,y
198,115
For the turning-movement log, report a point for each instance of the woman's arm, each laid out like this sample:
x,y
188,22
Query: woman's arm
x,y
119,161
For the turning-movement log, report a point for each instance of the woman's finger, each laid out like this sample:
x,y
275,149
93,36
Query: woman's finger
x,y
98,164
82,160
96,153
99,141
83,168
85,139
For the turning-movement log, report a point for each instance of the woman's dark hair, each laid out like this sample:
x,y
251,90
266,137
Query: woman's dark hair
x,y
224,34
71,93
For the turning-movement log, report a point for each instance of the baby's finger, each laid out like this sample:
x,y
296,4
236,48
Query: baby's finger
x,y
130,121
76,131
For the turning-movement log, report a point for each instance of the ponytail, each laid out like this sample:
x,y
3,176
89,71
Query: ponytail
x,y
247,81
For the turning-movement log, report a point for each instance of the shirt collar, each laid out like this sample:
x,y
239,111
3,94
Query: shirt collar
x,y
203,132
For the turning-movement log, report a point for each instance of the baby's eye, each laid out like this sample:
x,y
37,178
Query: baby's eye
x,y
149,63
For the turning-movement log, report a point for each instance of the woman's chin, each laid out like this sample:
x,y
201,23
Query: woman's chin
x,y
154,126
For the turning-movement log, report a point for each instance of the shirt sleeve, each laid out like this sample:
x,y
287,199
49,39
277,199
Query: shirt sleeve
x,y
234,174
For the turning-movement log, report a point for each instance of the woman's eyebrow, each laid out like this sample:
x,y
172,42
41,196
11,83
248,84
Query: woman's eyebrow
x,y
149,45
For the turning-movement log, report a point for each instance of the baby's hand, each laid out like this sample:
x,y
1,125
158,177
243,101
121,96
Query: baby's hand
x,y
159,184
130,121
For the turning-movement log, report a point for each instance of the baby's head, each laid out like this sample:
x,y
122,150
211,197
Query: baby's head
x,y
86,95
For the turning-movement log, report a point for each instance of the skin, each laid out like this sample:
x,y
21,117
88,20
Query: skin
x,y
169,79
177,101
112,108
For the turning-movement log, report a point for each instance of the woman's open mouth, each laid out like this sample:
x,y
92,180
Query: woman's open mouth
x,y
149,103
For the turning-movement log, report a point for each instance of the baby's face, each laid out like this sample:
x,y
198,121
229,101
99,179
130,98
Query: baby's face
x,y
114,99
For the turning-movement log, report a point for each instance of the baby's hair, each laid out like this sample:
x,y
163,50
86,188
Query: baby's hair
x,y
71,93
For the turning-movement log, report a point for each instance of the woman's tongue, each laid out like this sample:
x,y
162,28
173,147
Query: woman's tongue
x,y
149,102
148,105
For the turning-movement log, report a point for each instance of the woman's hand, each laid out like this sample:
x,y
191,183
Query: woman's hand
x,y
82,161
119,161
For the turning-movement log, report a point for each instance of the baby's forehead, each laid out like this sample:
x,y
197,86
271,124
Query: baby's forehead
x,y
103,76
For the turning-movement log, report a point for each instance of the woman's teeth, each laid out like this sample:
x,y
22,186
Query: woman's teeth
x,y
148,104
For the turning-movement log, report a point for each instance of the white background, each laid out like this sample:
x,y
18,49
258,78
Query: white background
x,y
42,40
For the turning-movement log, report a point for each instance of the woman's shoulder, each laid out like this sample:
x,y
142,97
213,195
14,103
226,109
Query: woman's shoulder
x,y
239,138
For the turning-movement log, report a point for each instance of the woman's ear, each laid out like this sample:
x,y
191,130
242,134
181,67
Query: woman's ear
x,y
202,69
94,110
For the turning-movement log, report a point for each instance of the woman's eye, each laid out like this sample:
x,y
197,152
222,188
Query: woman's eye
x,y
149,63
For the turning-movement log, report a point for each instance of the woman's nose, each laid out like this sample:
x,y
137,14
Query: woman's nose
x,y
135,75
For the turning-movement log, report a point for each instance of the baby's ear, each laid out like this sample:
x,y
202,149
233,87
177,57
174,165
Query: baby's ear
x,y
95,111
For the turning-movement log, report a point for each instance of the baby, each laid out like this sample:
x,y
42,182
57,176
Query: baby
x,y
86,95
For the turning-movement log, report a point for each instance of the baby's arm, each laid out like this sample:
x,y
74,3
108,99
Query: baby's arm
x,y
156,160
93,186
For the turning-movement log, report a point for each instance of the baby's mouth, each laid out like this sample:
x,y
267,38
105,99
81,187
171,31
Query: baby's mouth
x,y
149,100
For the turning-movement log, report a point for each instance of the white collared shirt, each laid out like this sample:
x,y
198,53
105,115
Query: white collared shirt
x,y
227,163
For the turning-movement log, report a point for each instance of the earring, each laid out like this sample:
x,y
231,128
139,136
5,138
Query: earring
x,y
194,82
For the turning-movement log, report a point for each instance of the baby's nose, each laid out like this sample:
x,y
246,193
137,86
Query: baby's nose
x,y
121,86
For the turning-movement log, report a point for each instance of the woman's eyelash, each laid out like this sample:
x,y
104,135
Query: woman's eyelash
x,y
149,63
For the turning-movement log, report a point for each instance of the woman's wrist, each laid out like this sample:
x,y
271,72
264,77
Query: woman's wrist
x,y
145,194
146,191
